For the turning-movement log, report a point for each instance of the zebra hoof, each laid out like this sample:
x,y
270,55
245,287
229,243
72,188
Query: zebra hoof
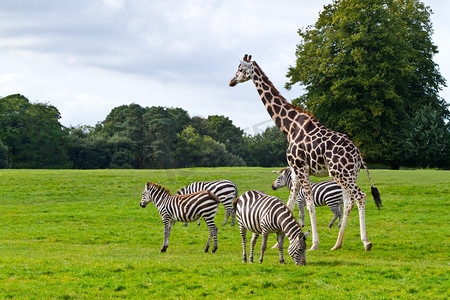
x,y
282,262
163,249
368,246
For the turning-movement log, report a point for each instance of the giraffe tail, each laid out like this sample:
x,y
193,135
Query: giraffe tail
x,y
373,189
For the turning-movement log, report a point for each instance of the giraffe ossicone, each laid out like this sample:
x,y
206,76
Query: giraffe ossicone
x,y
313,150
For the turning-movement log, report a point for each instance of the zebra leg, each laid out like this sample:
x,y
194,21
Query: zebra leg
x,y
212,234
301,211
280,238
252,245
337,215
216,232
227,215
265,235
233,216
167,229
243,232
186,224
339,207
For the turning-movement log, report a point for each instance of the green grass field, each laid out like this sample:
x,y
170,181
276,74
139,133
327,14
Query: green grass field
x,y
69,234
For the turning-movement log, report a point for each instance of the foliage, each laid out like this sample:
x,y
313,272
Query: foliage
x,y
267,148
196,150
368,66
425,141
82,235
32,133
3,156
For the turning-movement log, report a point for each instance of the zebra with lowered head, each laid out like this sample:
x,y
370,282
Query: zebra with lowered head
x,y
324,193
264,214
226,190
185,208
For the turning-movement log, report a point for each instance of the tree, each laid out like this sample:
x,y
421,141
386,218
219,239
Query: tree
x,y
32,133
128,121
160,138
225,132
195,150
267,149
4,163
367,67
426,141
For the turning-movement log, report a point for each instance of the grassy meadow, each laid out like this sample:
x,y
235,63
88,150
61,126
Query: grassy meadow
x,y
73,234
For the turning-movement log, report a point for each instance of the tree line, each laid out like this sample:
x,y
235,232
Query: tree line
x,y
131,136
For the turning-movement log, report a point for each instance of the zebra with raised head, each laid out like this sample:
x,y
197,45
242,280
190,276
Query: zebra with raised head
x,y
264,214
226,190
185,208
324,193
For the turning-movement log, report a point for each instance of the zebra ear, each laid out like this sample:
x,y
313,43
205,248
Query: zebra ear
x,y
147,185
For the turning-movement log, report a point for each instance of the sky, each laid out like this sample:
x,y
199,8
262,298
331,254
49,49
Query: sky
x,y
86,57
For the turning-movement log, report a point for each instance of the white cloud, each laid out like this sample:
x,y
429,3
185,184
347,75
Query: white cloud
x,y
86,57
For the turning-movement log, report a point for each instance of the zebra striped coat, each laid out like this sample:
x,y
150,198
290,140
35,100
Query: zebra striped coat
x,y
324,193
226,190
263,214
185,208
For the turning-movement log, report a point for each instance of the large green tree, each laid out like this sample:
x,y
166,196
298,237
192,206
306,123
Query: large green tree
x,y
32,133
367,66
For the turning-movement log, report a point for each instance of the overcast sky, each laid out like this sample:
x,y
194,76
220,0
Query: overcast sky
x,y
88,56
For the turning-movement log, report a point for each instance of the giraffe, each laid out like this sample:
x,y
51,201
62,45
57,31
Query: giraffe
x,y
313,150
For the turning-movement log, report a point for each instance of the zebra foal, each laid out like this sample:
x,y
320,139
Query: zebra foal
x,y
324,193
185,208
264,214
226,190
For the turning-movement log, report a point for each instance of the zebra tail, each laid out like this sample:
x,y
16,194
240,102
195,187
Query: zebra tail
x,y
235,203
373,189
213,196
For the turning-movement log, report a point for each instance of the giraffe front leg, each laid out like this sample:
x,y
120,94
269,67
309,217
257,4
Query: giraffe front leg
x,y
303,177
295,187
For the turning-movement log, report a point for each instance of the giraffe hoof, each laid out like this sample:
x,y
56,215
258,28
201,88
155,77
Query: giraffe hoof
x,y
314,248
336,247
368,246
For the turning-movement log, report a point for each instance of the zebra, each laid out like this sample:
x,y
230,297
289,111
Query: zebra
x,y
226,190
324,193
264,214
186,208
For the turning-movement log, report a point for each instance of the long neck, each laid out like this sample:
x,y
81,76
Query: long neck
x,y
275,104
289,118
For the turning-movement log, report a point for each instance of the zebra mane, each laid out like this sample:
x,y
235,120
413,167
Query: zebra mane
x,y
157,187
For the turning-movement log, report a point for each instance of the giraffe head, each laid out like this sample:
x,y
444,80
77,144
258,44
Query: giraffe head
x,y
245,71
